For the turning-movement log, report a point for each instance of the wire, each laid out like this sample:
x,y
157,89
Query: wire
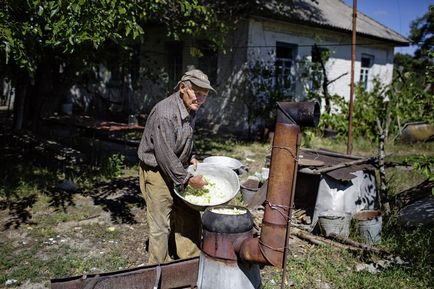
x,y
307,45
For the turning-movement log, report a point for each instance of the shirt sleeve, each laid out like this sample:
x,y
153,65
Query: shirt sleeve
x,y
164,146
193,153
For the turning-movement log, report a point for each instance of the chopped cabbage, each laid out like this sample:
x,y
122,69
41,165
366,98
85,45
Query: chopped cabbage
x,y
211,194
229,211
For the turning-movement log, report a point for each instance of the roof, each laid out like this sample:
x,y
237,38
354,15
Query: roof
x,y
334,14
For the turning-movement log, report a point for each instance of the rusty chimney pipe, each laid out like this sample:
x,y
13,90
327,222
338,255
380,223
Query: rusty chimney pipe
x,y
270,247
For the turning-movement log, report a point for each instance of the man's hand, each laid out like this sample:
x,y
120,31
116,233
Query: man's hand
x,y
197,182
194,162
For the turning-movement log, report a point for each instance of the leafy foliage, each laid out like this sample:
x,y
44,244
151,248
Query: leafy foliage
x,y
421,33
29,28
423,164
32,27
258,87
113,165
336,121
405,100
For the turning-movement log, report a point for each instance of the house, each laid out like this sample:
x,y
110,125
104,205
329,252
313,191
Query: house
x,y
284,38
280,40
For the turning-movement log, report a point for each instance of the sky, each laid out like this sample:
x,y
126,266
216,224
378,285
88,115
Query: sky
x,y
395,14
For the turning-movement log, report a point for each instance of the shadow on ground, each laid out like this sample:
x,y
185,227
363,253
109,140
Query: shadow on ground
x,y
30,171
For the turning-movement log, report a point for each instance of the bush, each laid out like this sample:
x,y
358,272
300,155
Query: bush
x,y
113,166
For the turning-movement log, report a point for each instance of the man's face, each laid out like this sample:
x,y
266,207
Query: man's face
x,y
193,97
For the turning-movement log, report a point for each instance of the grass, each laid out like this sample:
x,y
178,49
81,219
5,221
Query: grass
x,y
31,246
34,263
55,239
326,267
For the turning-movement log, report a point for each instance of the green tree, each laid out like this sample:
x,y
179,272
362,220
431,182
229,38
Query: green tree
x,y
422,33
44,43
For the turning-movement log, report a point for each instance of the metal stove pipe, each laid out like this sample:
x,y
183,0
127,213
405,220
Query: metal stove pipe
x,y
270,247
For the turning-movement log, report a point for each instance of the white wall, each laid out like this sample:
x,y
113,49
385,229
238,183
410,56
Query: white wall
x,y
264,33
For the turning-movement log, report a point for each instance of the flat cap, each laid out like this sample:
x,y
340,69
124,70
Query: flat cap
x,y
198,78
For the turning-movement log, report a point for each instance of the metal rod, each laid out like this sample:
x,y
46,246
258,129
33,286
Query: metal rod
x,y
338,166
353,59
330,153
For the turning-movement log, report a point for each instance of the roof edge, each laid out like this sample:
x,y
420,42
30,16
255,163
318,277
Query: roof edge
x,y
334,28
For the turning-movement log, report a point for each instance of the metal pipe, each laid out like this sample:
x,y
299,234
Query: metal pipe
x,y
270,247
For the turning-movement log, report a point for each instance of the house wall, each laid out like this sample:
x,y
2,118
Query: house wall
x,y
225,111
264,33
253,40
111,92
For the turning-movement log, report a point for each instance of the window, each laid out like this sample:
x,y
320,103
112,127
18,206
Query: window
x,y
365,65
285,55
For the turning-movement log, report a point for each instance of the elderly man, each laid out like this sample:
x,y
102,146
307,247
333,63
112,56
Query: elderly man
x,y
164,152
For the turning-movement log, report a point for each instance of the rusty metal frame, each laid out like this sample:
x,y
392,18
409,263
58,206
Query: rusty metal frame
x,y
177,274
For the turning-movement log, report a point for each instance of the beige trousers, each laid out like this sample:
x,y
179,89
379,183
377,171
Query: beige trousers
x,y
174,228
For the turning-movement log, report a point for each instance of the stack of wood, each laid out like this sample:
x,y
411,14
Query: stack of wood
x,y
300,216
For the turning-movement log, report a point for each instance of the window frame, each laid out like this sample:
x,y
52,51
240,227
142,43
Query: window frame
x,y
365,69
286,65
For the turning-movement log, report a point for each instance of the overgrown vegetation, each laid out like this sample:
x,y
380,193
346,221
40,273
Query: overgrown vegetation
x,y
391,106
387,107
113,165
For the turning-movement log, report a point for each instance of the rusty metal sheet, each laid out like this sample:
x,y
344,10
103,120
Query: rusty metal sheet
x,y
330,158
177,274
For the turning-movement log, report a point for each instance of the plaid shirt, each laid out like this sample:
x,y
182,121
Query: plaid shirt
x,y
167,140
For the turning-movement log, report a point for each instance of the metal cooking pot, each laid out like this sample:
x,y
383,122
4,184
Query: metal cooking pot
x,y
224,176
231,163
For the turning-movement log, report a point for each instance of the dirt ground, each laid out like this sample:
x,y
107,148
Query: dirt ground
x,y
111,217
117,207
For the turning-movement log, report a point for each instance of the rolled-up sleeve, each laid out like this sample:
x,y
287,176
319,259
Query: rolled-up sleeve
x,y
164,148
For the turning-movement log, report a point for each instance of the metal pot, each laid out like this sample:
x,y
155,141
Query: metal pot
x,y
224,176
231,163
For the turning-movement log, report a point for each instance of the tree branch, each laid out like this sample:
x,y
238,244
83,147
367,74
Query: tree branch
x,y
340,76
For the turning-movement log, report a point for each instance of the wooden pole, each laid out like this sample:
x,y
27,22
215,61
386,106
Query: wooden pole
x,y
353,59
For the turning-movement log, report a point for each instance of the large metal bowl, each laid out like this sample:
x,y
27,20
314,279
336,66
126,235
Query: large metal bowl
x,y
223,175
231,163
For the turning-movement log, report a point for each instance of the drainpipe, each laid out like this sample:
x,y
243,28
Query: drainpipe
x,y
270,247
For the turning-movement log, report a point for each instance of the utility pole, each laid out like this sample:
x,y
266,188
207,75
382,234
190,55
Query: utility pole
x,y
353,60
